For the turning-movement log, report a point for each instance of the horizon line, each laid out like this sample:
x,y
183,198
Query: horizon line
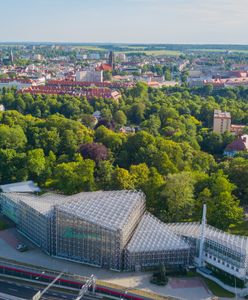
x,y
121,43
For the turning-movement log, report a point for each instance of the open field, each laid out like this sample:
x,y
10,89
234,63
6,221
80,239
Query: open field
x,y
218,50
154,52
90,48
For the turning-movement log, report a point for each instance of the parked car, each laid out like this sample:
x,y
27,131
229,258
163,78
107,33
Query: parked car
x,y
22,247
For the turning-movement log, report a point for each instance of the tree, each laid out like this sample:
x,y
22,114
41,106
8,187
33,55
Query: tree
x,y
152,125
167,75
104,175
74,177
140,91
153,188
36,162
223,208
120,118
12,166
237,171
122,180
140,175
94,151
137,113
179,196
107,75
12,137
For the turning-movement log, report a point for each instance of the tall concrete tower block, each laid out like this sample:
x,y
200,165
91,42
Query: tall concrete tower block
x,y
222,121
112,59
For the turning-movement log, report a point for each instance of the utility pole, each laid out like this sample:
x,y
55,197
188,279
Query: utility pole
x,y
202,237
39,294
91,282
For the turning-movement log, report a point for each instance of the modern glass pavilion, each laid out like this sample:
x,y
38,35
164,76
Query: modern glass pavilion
x,y
33,215
154,243
225,251
113,230
95,228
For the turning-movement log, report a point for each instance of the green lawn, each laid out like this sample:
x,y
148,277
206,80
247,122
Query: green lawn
x,y
219,50
212,286
218,290
90,48
3,225
239,229
154,52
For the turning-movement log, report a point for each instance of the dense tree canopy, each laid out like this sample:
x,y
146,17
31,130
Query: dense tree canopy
x,y
173,156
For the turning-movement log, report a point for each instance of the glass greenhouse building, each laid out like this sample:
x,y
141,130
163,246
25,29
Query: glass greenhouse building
x,y
113,230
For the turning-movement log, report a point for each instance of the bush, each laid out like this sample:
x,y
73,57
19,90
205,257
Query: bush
x,y
160,278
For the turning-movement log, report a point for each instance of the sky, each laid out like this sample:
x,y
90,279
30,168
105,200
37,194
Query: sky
x,y
125,21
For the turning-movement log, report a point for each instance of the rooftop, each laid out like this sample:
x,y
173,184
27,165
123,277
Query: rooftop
x,y
235,242
240,144
42,204
20,187
221,114
153,235
110,209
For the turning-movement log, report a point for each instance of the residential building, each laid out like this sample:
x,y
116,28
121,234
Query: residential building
x,y
221,122
89,76
237,129
238,145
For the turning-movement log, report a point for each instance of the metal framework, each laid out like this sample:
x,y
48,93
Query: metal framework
x,y
112,230
154,243
223,250
95,230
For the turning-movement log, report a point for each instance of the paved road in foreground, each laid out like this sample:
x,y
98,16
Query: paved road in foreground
x,y
25,291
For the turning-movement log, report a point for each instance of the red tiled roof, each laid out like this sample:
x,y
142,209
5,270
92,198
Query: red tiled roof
x,y
104,67
240,144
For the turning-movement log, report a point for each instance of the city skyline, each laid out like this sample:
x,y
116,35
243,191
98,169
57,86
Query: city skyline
x,y
125,21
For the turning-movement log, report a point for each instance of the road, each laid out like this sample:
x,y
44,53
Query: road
x,y
26,291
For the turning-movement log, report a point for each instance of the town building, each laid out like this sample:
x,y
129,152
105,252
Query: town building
x,y
89,76
104,67
238,145
18,83
222,121
237,129
112,60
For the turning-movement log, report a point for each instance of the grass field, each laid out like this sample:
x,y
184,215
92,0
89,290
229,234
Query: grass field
x,y
133,49
3,225
90,48
218,50
154,52
240,229
212,286
218,290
